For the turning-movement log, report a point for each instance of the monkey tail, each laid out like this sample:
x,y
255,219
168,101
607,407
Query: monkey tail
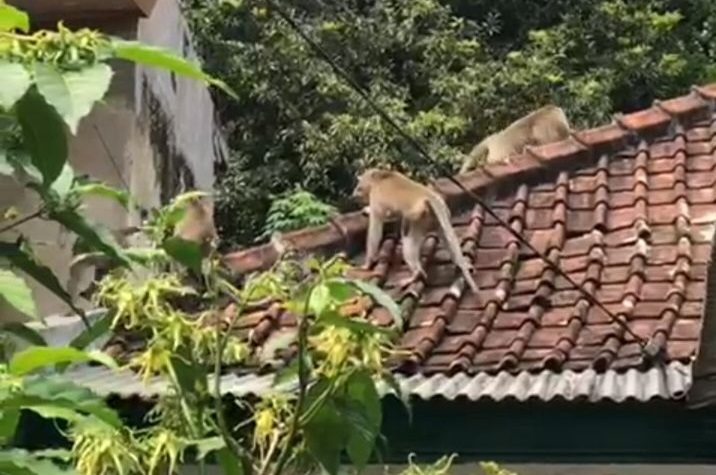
x,y
442,214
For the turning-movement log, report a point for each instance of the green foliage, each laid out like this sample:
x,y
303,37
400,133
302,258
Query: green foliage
x,y
451,71
54,79
295,210
17,293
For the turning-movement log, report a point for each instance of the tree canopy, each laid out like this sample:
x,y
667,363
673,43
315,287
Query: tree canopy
x,y
449,71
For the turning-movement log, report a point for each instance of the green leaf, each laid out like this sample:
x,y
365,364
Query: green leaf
x,y
340,290
94,235
17,293
187,253
41,273
22,331
9,419
36,357
21,160
95,331
210,444
49,411
319,299
326,435
361,389
105,191
382,299
165,59
56,390
60,454
44,135
21,462
13,19
73,93
63,184
15,82
229,463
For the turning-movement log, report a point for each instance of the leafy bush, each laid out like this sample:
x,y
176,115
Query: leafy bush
x,y
295,209
51,80
451,71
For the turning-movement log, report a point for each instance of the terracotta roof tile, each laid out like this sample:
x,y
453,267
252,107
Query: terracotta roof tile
x,y
627,210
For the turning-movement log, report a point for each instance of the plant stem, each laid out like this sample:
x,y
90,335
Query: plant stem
x,y
222,341
302,385
20,221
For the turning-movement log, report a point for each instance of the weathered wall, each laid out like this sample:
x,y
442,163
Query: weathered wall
x,y
155,135
187,140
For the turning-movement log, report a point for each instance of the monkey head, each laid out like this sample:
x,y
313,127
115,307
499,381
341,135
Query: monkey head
x,y
366,180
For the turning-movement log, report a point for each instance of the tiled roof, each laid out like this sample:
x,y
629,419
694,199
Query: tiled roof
x,y
627,210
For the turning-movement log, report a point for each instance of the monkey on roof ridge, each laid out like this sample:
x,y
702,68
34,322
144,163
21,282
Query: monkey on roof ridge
x,y
545,125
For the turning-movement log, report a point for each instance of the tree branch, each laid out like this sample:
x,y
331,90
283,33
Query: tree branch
x,y
20,221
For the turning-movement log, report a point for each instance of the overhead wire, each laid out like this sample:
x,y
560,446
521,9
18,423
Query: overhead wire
x,y
644,343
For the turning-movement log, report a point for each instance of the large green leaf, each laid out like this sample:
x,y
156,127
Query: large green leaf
x,y
9,419
53,389
36,357
187,253
15,82
49,411
95,331
326,436
105,191
41,273
382,299
73,93
164,59
17,293
229,462
63,184
365,417
13,19
24,332
319,299
21,462
93,235
44,135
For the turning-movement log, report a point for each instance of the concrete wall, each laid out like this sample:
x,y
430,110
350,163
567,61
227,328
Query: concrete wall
x,y
156,135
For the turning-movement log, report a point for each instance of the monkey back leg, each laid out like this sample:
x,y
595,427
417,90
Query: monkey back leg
x,y
413,237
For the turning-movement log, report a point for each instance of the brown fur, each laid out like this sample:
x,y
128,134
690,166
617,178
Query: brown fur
x,y
545,125
391,194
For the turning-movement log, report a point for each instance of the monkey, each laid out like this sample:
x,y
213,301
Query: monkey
x,y
544,125
197,225
392,194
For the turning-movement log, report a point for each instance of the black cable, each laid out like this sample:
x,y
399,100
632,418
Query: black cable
x,y
111,158
643,343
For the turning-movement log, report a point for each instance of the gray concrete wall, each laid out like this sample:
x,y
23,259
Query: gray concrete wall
x,y
156,135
